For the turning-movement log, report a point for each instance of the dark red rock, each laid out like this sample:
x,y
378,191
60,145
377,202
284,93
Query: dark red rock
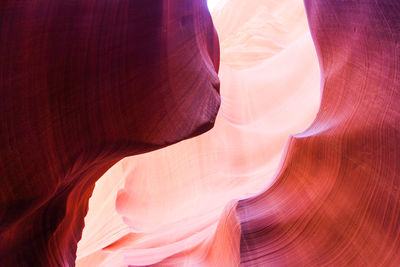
x,y
82,85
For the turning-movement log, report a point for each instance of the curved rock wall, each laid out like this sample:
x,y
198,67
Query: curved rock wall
x,y
84,84
336,198
173,206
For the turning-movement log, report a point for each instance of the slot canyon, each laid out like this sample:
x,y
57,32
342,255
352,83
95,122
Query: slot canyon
x,y
187,133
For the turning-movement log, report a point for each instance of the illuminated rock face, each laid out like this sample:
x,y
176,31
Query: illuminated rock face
x,y
174,206
79,93
84,84
336,198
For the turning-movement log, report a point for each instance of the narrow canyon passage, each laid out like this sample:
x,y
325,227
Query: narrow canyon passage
x,y
164,206
155,133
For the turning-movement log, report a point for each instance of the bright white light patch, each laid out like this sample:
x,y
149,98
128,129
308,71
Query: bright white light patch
x,y
213,3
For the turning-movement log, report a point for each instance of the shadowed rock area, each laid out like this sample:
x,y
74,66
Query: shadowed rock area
x,y
82,85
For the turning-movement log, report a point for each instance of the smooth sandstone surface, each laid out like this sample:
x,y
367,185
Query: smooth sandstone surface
x,y
173,207
336,198
82,85
302,167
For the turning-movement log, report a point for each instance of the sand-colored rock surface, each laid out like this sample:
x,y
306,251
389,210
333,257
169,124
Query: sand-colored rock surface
x,y
173,206
302,167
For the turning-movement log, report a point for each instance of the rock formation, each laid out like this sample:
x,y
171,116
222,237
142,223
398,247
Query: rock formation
x,y
302,167
84,84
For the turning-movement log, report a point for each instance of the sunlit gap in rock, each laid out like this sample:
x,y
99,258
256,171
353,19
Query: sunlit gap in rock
x,y
212,4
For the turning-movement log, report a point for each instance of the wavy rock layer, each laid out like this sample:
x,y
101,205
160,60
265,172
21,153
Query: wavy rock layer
x,y
336,198
84,84
173,207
